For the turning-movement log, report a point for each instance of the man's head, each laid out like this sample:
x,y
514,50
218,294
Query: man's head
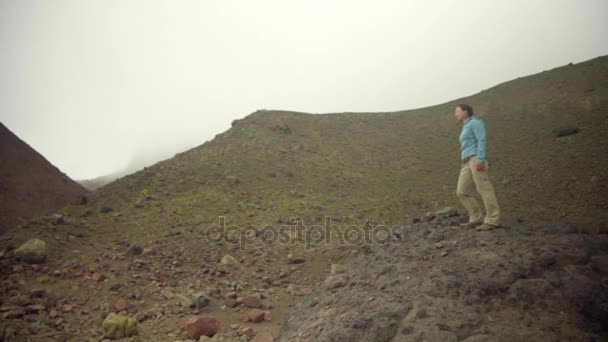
x,y
462,112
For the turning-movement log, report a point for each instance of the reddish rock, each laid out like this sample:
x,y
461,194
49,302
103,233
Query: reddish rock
x,y
196,327
257,315
334,282
232,295
67,308
252,301
121,305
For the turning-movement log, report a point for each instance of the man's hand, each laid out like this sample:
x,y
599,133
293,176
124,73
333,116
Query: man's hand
x,y
481,166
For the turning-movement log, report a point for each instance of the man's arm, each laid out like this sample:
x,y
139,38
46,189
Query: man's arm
x,y
479,130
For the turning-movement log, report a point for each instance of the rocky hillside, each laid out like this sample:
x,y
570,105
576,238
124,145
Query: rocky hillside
x,y
434,281
383,166
30,186
139,260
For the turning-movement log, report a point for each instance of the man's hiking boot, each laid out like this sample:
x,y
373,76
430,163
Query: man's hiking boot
x,y
486,227
471,224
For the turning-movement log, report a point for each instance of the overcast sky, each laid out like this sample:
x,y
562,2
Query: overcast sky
x,y
93,84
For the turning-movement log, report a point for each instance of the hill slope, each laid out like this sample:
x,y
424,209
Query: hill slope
x,y
140,246
30,186
382,167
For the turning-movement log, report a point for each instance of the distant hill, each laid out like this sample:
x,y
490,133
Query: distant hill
x,y
144,157
97,182
30,186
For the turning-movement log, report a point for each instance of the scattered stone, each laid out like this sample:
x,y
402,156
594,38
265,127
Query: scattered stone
x,y
118,326
231,302
232,180
20,300
296,261
214,291
15,313
115,287
196,327
36,308
98,277
201,300
428,217
57,219
337,269
33,251
253,301
173,233
121,305
184,301
249,331
562,132
257,315
447,212
149,251
333,282
229,260
38,293
134,250
105,210
231,294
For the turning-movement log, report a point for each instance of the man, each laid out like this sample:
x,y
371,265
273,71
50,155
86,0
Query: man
x,y
474,172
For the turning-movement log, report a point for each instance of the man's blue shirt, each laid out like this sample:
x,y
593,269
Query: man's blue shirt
x,y
473,139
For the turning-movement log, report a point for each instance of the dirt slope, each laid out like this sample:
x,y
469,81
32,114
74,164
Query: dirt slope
x,y
30,186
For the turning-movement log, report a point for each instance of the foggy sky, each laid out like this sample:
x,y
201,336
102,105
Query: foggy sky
x,y
92,84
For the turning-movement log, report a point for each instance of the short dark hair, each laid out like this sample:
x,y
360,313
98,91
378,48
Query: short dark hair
x,y
467,108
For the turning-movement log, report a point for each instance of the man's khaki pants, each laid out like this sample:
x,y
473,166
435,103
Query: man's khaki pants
x,y
471,179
